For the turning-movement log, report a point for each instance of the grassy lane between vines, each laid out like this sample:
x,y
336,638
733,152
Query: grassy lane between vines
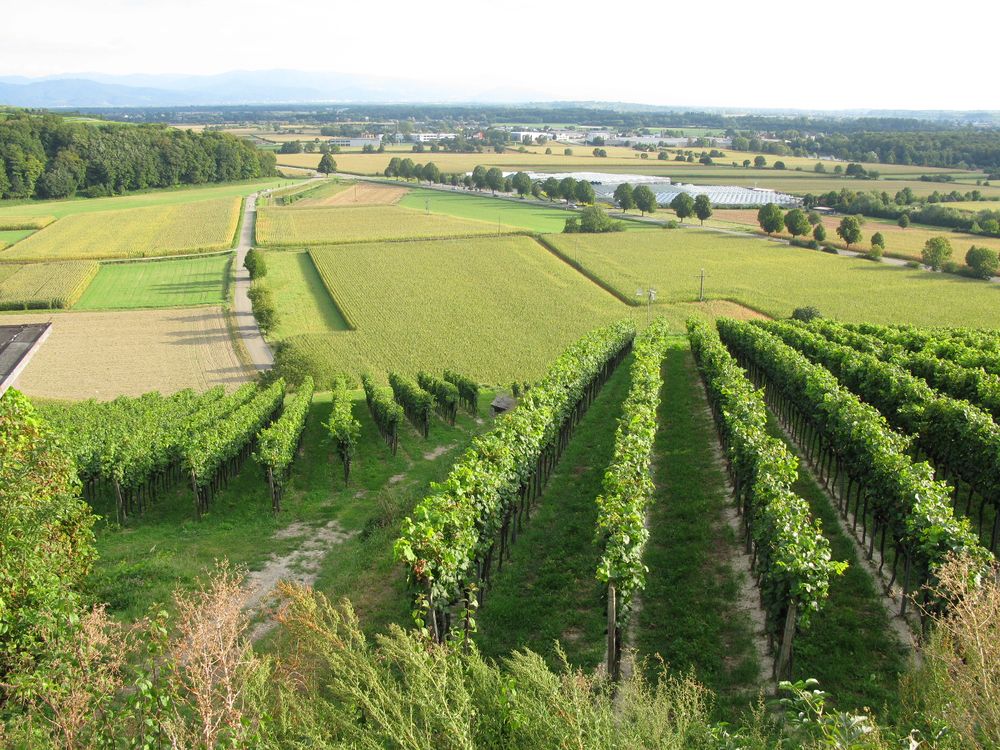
x,y
340,535
548,591
690,614
849,646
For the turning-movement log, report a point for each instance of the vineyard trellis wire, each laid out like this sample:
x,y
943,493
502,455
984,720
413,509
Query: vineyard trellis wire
x,y
469,520
278,443
790,558
850,441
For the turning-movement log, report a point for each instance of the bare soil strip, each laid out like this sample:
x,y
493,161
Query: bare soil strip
x,y
107,354
360,194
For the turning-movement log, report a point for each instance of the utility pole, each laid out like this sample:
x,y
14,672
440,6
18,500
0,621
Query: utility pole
x,y
650,295
701,293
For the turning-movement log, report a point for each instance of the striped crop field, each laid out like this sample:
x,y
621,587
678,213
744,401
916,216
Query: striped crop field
x,y
324,226
201,226
494,309
34,286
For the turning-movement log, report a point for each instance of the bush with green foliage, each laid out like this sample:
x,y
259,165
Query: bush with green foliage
x,y
263,307
983,261
46,542
255,263
937,251
806,314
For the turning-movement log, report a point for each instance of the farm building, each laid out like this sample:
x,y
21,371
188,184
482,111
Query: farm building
x,y
429,137
360,142
17,345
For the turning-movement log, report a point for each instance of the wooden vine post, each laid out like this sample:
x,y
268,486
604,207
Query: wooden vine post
x,y
783,667
614,663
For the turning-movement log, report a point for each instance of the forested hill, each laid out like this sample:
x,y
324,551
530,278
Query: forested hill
x,y
47,156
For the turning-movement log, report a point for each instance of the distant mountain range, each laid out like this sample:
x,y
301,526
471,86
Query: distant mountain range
x,y
276,87
238,87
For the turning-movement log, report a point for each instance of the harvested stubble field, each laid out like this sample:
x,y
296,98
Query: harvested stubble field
x,y
906,243
183,282
32,286
357,194
322,226
495,309
106,354
775,278
201,226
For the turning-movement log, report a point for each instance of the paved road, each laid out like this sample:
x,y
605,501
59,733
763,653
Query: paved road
x,y
260,353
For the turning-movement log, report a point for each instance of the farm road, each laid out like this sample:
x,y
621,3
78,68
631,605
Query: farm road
x,y
260,353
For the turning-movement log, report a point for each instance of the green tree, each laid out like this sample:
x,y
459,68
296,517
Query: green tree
x,y
479,177
820,168
819,233
430,172
849,230
623,197
702,208
771,218
984,261
904,221
937,251
536,189
551,188
327,164
797,223
594,220
406,168
814,218
645,199
584,192
494,179
392,170
521,183
878,240
567,152
683,206
567,188
746,163
759,162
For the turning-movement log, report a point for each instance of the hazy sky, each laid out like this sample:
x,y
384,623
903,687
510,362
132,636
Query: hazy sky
x,y
874,54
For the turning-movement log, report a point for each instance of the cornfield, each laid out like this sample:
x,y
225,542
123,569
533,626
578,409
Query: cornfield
x,y
202,226
35,286
326,226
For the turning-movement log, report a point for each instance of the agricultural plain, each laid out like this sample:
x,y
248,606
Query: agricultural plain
x,y
107,354
162,283
201,226
318,226
905,243
775,278
9,236
494,308
511,213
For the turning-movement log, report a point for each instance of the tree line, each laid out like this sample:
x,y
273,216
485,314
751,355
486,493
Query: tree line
x,y
47,156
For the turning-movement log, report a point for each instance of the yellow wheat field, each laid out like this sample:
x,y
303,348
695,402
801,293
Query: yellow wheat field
x,y
32,286
201,226
14,221
325,226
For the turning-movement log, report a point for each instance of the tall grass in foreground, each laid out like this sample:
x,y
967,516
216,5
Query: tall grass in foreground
x,y
194,681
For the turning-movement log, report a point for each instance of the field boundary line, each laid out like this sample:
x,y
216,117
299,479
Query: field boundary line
x,y
330,294
239,224
155,258
546,244
331,243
